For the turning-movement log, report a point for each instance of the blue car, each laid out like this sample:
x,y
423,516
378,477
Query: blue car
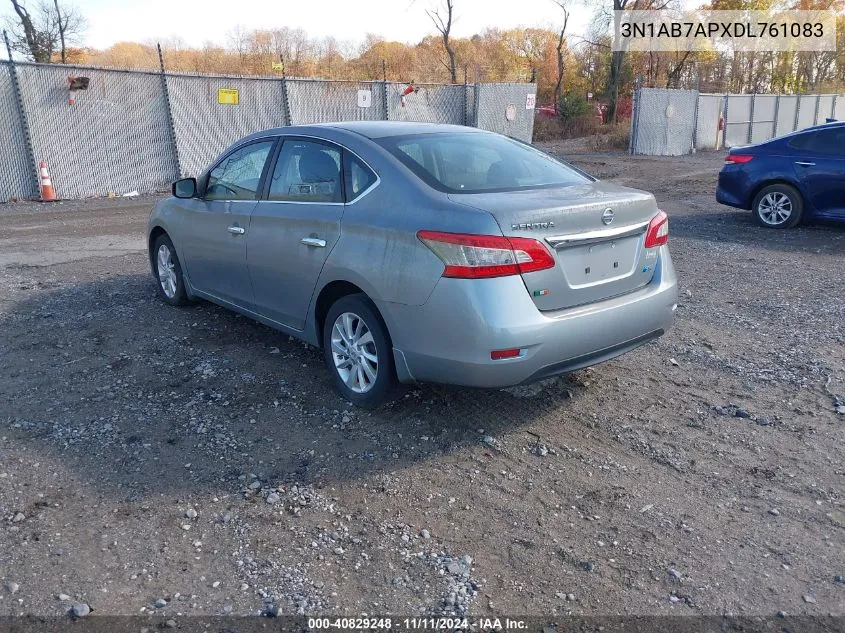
x,y
789,178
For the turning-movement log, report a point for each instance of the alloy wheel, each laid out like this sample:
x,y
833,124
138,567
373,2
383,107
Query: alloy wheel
x,y
775,208
354,352
166,271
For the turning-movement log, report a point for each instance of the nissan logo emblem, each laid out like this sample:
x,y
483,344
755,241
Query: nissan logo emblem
x,y
607,216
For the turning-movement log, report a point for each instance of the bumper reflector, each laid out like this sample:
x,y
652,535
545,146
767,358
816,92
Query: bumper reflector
x,y
500,354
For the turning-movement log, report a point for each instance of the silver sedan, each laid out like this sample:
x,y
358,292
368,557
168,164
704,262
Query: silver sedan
x,y
419,253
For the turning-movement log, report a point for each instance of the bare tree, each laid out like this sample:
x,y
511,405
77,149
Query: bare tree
x,y
49,28
682,62
560,42
65,26
444,27
237,39
617,58
25,36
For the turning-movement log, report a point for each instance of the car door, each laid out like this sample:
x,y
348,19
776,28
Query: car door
x,y
820,166
295,227
218,223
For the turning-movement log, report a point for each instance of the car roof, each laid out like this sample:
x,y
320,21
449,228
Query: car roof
x,y
382,129
369,129
812,128
825,125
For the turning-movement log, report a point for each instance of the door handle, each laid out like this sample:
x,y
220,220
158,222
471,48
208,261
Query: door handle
x,y
313,241
236,230
804,164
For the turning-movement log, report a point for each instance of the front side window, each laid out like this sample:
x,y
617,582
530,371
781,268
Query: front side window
x,y
478,163
307,171
237,177
830,142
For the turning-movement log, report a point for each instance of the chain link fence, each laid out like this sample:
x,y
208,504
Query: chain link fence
x,y
432,103
506,108
204,127
763,120
738,120
673,122
140,130
806,111
471,108
707,134
787,114
18,179
665,122
316,101
115,139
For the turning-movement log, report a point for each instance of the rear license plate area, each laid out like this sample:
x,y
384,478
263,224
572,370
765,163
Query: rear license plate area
x,y
598,263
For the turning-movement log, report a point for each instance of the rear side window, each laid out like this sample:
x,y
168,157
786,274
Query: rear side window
x,y
358,177
477,163
307,171
801,141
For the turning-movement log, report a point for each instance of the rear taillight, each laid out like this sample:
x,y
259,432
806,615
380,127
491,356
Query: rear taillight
x,y
658,230
738,159
469,256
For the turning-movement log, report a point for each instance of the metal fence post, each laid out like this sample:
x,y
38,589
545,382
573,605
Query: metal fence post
x,y
286,117
751,119
775,122
695,116
170,122
384,99
695,122
16,87
466,98
818,107
635,116
725,122
833,106
476,99
797,113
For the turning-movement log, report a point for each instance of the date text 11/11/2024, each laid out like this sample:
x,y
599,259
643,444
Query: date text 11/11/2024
x,y
418,624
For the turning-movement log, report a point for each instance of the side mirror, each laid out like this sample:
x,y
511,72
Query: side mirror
x,y
185,188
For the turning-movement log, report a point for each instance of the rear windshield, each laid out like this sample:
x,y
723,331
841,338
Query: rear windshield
x,y
477,163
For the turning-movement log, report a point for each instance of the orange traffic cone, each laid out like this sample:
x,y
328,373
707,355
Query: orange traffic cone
x,y
48,194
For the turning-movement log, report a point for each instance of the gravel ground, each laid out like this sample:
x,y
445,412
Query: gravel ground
x,y
192,462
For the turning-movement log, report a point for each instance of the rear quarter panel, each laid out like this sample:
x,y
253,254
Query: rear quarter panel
x,y
378,249
738,184
378,241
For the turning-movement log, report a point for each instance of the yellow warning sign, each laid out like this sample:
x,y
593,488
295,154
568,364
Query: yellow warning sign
x,y
228,96
276,65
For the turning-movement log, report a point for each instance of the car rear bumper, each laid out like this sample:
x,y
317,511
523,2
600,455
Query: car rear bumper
x,y
450,337
730,199
733,188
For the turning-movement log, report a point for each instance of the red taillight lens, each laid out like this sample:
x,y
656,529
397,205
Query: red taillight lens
x,y
738,159
658,230
481,256
499,354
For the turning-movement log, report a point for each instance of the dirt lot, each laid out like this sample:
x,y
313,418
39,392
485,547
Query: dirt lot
x,y
199,459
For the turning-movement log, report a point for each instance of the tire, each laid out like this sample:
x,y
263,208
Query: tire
x,y
361,380
778,206
171,286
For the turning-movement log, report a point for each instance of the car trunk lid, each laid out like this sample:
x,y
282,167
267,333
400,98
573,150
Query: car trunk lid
x,y
595,232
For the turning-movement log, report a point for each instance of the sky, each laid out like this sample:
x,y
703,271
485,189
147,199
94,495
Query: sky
x,y
199,21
